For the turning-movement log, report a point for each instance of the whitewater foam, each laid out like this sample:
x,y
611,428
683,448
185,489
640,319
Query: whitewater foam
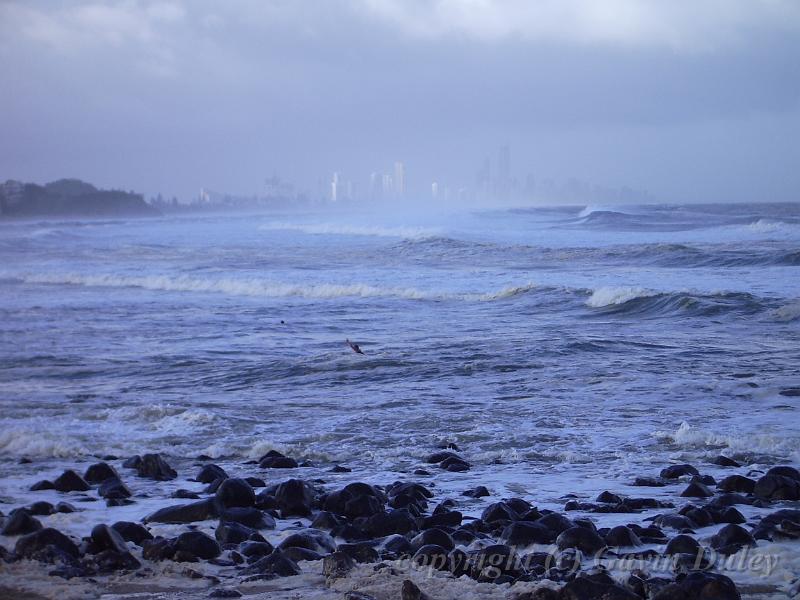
x,y
355,230
610,296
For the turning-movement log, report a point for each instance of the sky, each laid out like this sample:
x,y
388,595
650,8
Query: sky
x,y
691,100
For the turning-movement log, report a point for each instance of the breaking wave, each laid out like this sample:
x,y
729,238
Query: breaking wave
x,y
356,230
640,302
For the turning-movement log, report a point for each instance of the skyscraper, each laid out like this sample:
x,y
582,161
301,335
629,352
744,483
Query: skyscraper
x,y
435,190
335,183
399,180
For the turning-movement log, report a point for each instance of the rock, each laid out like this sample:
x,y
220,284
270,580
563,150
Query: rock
x,y
42,485
70,481
682,544
20,522
198,543
113,489
648,482
326,521
676,471
410,591
209,473
499,512
555,522
251,517
438,457
32,544
622,536
104,538
732,538
184,513
478,492
777,487
582,538
132,532
494,561
727,515
225,593
696,490
737,483
275,564
362,552
294,497
255,550
185,494
158,549
675,521
65,507
300,554
431,556
337,564
391,522
609,498
586,587
362,506
41,508
133,462
235,492
398,545
525,533
724,461
340,469
152,466
700,586
785,471
275,460
353,595
99,472
233,533
311,539
436,537
446,519
256,482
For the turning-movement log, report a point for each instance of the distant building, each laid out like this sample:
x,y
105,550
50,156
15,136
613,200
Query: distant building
x,y
399,180
435,190
386,185
335,188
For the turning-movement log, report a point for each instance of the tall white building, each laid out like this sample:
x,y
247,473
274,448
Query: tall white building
x,y
399,180
435,190
335,188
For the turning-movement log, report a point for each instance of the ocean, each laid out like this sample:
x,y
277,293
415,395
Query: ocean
x,y
563,350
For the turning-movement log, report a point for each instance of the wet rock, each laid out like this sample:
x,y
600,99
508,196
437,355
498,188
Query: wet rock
x,y
153,466
158,549
609,498
113,489
251,517
410,591
255,550
525,533
33,544
210,473
785,471
675,521
41,508
724,461
185,494
256,482
225,593
132,532
300,554
398,545
362,506
676,471
65,507
622,536
340,469
133,462
276,564
777,487
432,556
103,538
70,481
555,522
696,490
199,544
390,522
682,544
700,586
445,519
42,485
727,515
20,522
326,521
184,513
275,460
353,595
648,482
362,552
99,472
772,526
235,492
732,538
438,457
478,492
455,465
499,512
737,483
491,562
294,497
233,533
582,538
728,499
337,564
437,537
311,539
590,588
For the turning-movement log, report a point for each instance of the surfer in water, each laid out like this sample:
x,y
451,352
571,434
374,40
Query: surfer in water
x,y
354,347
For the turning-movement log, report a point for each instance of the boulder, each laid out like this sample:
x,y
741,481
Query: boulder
x,y
581,538
70,481
99,472
113,489
153,466
677,471
20,522
132,532
184,513
294,497
30,545
198,544
737,483
210,473
700,586
235,492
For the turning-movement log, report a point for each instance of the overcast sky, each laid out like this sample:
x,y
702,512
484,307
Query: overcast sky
x,y
693,100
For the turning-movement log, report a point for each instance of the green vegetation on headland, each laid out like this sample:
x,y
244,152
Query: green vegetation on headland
x,y
69,198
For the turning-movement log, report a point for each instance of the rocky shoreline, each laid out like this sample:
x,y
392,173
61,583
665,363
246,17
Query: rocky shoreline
x,y
678,534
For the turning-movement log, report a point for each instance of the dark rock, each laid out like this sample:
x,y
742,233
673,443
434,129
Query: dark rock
x,y
591,588
251,517
184,513
499,512
682,544
445,519
326,521
353,595
20,522
582,538
525,533
437,537
41,508
256,482
255,550
152,466
728,499
132,532
99,472
362,552
113,489
42,485
700,516
700,586
675,521
158,549
732,535
276,564
235,492
727,515
390,522
696,490
494,561
363,506
777,487
185,494
410,591
70,481
337,564
199,544
785,471
622,536
311,539
133,462
648,482
676,471
210,473
724,461
455,465
737,483
431,556
300,554
294,497
275,460
555,522
609,498
438,457
340,469
30,545
398,545
478,492
65,507
225,593
233,533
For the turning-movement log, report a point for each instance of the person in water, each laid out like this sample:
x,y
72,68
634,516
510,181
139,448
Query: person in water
x,y
354,347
